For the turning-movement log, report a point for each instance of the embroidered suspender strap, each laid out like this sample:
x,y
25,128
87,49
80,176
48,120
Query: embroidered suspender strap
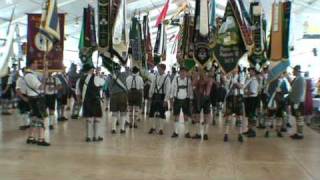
x,y
85,87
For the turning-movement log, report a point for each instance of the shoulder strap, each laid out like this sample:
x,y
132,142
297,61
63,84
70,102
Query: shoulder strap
x,y
163,83
31,88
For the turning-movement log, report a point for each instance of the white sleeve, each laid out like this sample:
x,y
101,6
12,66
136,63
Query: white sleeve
x,y
168,89
78,92
173,90
98,81
18,84
33,81
128,82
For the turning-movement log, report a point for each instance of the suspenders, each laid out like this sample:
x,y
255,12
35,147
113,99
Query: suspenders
x,y
182,87
157,90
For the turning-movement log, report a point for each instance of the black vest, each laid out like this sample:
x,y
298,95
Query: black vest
x,y
93,92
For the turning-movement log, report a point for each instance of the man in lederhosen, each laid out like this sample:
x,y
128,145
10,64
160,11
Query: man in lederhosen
x,y
296,100
135,86
118,99
251,101
234,102
52,86
38,115
263,96
202,90
277,90
88,92
159,94
23,102
181,96
63,95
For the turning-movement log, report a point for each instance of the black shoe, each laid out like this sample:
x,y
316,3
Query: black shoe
x,y
289,125
117,123
88,139
74,117
214,122
246,133
22,128
152,130
31,140
127,124
279,134
266,134
196,136
252,134
65,119
261,126
135,126
51,127
187,135
174,135
240,138
97,139
271,126
297,137
43,143
238,123
225,138
122,131
113,131
160,132
205,137
283,130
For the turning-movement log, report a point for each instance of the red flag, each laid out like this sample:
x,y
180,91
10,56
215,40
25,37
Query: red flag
x,y
163,14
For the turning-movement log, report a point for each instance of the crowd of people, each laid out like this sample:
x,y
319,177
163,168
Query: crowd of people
x,y
245,98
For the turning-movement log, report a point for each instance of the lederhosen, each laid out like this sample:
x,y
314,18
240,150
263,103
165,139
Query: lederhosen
x,y
183,104
63,94
251,104
263,96
4,83
201,101
91,106
234,102
51,98
280,103
134,95
157,102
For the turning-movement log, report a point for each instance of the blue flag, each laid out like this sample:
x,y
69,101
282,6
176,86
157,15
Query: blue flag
x,y
50,26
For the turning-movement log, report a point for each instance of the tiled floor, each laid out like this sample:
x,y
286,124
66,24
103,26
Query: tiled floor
x,y
137,155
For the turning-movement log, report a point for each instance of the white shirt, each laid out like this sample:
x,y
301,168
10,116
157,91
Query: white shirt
x,y
134,81
252,86
157,82
234,81
181,93
52,89
21,85
32,81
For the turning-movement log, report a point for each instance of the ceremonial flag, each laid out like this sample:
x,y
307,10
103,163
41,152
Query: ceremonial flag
x,y
163,14
87,41
279,58
50,26
230,46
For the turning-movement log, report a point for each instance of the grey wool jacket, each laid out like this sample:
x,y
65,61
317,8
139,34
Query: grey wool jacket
x,y
298,91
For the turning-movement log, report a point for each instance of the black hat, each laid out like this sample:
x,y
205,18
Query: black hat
x,y
135,70
297,68
87,67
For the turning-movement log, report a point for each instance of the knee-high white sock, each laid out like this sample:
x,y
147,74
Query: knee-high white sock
x,y
122,121
227,125
114,122
97,128
153,121
52,120
240,125
188,125
201,129
206,127
89,128
46,130
161,123
176,127
26,119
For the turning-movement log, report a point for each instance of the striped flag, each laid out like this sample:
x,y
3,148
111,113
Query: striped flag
x,y
50,21
163,13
